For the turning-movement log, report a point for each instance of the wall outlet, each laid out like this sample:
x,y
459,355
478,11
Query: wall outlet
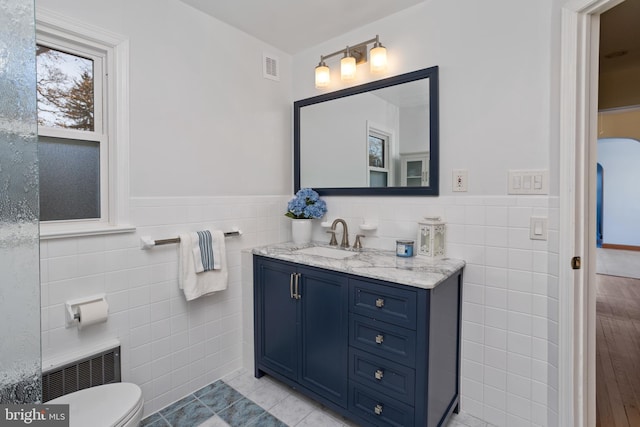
x,y
460,178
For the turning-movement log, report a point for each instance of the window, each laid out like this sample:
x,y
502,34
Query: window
x,y
82,128
73,133
379,158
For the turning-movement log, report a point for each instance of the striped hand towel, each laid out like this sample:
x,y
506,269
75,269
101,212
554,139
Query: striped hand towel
x,y
195,284
203,254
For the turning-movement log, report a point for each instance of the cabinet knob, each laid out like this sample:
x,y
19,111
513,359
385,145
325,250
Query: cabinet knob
x,y
380,302
379,338
378,409
379,374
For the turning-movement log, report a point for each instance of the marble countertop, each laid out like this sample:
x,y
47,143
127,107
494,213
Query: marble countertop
x,y
420,272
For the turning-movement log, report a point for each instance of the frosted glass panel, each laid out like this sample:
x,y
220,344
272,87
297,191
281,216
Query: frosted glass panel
x,y
69,179
377,179
19,239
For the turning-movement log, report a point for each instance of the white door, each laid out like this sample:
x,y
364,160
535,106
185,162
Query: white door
x,y
578,138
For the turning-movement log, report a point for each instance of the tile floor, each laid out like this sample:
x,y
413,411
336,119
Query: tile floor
x,y
240,399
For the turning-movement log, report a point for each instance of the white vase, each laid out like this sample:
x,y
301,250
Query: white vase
x,y
301,231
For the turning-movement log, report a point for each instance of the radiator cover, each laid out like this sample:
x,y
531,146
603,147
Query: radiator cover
x,y
97,369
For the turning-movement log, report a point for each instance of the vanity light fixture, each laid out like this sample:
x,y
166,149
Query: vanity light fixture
x,y
347,67
378,55
323,75
353,55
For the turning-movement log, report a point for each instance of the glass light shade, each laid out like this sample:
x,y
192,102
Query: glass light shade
x,y
378,59
323,76
348,68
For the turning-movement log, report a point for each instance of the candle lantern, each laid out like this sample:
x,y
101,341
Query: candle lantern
x,y
431,237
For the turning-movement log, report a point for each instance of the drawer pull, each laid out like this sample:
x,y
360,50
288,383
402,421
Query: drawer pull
x,y
379,374
291,279
380,302
379,339
378,409
297,294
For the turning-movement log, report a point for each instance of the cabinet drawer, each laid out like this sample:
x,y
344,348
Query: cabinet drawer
x,y
382,375
378,409
387,303
383,339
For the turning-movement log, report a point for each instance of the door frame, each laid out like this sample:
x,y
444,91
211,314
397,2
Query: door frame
x,y
578,157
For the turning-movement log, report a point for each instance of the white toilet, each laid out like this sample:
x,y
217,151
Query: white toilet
x,y
108,405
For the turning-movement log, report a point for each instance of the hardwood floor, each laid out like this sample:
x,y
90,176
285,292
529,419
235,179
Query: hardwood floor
x,y
618,351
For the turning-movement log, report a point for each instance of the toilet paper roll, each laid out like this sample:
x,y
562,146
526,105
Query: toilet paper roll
x,y
92,313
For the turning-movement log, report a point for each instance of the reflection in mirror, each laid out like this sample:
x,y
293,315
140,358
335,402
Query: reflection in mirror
x,y
377,138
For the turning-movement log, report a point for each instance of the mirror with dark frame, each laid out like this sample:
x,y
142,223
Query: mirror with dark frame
x,y
379,138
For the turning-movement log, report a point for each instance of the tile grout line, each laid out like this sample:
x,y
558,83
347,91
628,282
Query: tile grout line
x,y
165,420
232,404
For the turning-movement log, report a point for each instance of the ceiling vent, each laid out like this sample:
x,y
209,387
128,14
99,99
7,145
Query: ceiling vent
x,y
270,67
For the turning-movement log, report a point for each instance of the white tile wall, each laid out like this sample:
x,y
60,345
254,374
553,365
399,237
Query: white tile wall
x,y
169,347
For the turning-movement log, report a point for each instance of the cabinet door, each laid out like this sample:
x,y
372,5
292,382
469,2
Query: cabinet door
x,y
324,334
414,173
276,318
414,170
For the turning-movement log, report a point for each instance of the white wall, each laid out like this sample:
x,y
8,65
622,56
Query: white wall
x,y
413,132
499,74
621,199
197,99
210,146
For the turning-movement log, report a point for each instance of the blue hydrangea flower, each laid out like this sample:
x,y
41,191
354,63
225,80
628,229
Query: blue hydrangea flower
x,y
309,194
306,204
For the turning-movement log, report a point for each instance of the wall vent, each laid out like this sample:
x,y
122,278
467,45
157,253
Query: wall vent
x,y
97,369
270,66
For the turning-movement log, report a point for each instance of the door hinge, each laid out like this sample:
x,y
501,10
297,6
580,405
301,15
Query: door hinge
x,y
576,263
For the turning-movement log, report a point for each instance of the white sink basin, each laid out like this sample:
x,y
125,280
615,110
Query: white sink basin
x,y
326,252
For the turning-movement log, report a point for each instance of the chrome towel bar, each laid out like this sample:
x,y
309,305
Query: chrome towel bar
x,y
147,243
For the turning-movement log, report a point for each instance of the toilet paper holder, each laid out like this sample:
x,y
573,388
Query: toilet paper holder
x,y
72,313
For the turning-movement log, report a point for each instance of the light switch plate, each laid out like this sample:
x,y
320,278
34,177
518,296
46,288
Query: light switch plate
x,y
538,228
528,182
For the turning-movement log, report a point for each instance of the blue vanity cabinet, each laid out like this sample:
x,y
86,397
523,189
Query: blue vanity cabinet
x,y
377,352
301,328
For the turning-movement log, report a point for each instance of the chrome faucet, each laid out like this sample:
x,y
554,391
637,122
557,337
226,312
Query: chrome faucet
x,y
345,233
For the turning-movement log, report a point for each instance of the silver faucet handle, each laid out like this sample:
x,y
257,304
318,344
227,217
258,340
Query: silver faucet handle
x,y
333,241
358,243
